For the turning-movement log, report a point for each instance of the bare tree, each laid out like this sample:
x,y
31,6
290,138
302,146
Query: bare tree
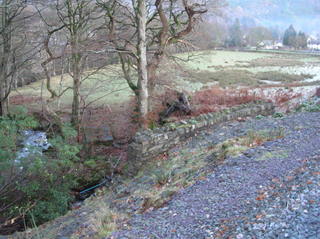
x,y
141,19
74,15
167,23
76,19
72,34
12,43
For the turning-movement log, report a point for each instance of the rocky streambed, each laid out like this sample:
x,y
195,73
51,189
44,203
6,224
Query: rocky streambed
x,y
33,142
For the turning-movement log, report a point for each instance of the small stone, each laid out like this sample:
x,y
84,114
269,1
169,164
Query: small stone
x,y
240,236
83,213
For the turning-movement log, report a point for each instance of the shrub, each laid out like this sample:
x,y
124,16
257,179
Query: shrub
x,y
162,176
39,184
308,106
278,115
254,138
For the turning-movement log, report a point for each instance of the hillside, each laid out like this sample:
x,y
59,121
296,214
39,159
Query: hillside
x,y
304,14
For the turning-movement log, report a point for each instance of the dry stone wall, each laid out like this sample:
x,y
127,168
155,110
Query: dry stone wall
x,y
150,143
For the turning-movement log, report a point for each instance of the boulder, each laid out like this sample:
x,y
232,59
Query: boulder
x,y
101,135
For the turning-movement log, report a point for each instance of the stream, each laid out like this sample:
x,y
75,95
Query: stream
x,y
33,143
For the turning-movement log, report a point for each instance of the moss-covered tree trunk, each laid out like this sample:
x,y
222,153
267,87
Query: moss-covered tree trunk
x,y
76,75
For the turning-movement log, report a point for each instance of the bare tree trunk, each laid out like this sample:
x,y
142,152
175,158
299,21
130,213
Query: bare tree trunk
x,y
75,117
153,65
142,61
76,75
4,101
4,61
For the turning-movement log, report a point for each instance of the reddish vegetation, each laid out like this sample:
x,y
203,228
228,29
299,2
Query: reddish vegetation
x,y
121,119
216,98
24,100
204,101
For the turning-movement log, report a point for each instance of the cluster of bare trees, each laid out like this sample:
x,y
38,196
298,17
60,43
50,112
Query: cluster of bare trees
x,y
138,31
14,55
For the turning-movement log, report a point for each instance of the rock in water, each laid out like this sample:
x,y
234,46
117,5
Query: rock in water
x,y
34,142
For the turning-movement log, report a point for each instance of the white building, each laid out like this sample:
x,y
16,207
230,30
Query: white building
x,y
270,45
313,43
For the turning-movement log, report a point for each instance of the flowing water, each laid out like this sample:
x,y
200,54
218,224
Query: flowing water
x,y
33,143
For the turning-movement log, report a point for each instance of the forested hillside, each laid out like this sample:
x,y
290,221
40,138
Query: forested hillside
x,y
304,14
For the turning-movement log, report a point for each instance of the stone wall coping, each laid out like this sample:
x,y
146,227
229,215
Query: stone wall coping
x,y
192,122
148,144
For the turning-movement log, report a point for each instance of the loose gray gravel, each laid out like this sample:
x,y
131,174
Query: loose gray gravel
x,y
272,191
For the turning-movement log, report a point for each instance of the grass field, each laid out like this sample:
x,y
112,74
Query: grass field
x,y
192,72
246,68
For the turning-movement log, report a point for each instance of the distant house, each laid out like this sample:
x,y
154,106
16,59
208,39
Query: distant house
x,y
313,44
270,45
278,45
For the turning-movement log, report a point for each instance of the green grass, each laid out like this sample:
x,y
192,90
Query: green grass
x,y
204,60
282,77
279,154
236,77
226,77
189,71
231,68
104,87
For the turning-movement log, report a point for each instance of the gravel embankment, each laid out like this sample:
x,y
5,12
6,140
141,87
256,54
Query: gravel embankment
x,y
272,191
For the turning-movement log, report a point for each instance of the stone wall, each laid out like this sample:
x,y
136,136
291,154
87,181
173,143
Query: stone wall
x,y
150,143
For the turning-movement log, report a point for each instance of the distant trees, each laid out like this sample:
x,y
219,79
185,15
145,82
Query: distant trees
x,y
292,39
289,38
301,40
257,35
209,34
236,35
13,53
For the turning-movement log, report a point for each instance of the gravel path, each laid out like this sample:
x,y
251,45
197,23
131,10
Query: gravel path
x,y
271,191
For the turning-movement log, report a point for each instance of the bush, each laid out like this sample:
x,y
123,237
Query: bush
x,y
40,184
308,106
278,115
